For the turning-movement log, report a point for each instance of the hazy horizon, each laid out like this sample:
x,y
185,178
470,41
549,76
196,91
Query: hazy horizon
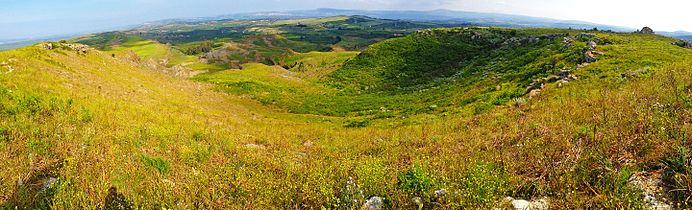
x,y
43,18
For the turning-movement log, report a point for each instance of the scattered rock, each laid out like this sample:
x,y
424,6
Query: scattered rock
x,y
564,76
653,189
646,30
591,44
374,203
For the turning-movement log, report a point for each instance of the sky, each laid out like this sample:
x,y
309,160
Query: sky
x,y
22,19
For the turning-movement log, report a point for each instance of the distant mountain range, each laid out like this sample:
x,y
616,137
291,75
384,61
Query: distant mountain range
x,y
436,16
448,17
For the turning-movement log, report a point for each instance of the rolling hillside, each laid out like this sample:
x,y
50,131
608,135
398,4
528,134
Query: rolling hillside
x,y
456,118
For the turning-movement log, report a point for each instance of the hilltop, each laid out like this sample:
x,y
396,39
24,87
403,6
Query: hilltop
x,y
402,115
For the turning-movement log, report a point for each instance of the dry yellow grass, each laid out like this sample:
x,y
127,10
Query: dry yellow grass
x,y
94,122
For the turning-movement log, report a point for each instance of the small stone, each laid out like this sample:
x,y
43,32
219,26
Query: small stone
x,y
308,144
441,192
521,204
47,183
374,203
534,93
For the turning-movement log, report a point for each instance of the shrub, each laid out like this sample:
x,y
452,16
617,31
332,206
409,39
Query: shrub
x,y
358,123
416,181
161,165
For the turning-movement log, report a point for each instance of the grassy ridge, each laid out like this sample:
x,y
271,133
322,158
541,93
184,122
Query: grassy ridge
x,y
94,122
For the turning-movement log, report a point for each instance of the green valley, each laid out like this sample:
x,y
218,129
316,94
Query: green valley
x,y
346,112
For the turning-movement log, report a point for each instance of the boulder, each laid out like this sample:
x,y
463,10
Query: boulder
x,y
374,203
647,30
591,44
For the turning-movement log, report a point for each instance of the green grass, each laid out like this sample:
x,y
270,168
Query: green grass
x,y
266,137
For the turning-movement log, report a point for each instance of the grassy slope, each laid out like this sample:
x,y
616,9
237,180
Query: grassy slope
x,y
446,72
94,121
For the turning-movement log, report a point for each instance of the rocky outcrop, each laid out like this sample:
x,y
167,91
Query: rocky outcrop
x,y
47,46
518,41
80,48
646,30
591,53
564,76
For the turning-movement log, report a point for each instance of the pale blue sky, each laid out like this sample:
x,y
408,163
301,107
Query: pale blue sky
x,y
38,18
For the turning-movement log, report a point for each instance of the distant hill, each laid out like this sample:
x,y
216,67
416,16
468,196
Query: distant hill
x,y
689,38
436,16
677,34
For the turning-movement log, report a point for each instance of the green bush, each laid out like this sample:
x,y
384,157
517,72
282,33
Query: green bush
x,y
157,163
416,181
358,123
